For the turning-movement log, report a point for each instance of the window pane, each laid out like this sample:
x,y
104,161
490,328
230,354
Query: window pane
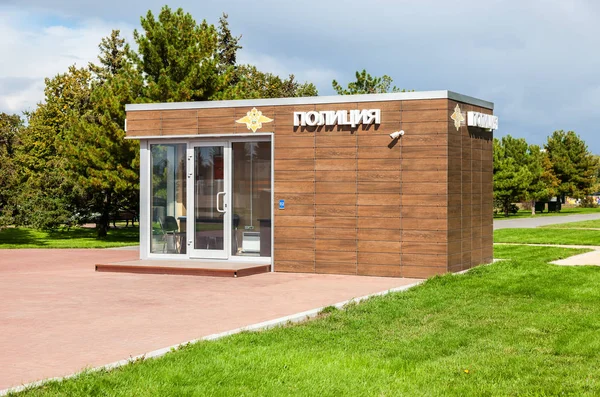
x,y
168,205
251,182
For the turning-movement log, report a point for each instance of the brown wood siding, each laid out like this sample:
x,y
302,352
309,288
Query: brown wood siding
x,y
468,148
358,202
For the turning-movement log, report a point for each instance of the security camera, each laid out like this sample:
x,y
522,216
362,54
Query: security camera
x,y
397,134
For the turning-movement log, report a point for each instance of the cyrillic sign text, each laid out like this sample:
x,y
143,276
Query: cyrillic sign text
x,y
476,119
339,117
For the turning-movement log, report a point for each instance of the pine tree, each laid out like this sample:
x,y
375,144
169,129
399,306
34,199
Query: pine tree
x,y
367,84
572,163
228,45
177,56
512,176
113,56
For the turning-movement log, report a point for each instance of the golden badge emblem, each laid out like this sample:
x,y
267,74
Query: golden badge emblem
x,y
254,120
458,117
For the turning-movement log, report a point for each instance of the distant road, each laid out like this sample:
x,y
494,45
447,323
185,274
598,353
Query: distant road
x,y
527,223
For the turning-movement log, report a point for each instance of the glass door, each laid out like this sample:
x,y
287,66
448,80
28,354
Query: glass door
x,y
208,228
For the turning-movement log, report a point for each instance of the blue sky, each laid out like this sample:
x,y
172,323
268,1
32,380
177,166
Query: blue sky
x,y
537,60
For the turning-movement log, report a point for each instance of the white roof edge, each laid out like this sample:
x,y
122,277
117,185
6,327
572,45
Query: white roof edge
x,y
470,100
317,100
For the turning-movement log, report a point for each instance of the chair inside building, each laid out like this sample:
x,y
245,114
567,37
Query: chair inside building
x,y
171,235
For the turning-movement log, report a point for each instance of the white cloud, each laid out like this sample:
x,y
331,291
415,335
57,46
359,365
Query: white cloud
x,y
320,75
38,51
22,99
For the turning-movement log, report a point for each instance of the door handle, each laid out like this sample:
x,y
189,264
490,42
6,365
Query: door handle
x,y
218,195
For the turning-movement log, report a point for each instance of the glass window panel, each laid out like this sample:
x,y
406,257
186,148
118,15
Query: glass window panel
x,y
251,183
168,203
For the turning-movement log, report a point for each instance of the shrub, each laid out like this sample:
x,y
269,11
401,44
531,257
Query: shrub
x,y
588,202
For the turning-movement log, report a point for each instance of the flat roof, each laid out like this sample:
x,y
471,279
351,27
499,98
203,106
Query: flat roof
x,y
316,100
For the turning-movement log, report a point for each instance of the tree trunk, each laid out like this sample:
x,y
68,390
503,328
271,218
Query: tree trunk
x,y
104,222
532,207
506,209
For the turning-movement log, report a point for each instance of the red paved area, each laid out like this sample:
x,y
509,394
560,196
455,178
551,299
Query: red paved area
x,y
58,316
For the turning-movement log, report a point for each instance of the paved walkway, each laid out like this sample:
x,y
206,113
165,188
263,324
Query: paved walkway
x,y
58,316
528,223
589,258
590,247
586,259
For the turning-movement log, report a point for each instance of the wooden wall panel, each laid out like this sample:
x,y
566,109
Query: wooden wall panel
x,y
377,152
425,104
437,130
189,123
143,124
335,153
335,268
178,131
224,113
420,116
424,152
180,114
378,141
372,222
303,176
295,153
337,233
379,176
143,115
294,141
393,187
284,221
420,271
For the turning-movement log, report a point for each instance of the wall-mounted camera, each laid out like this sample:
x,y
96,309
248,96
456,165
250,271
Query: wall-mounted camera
x,y
397,134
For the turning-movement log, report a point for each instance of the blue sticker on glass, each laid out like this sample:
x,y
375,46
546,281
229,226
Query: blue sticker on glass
x,y
281,204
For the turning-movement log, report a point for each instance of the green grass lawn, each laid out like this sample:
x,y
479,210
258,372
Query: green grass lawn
x,y
77,237
593,224
547,236
517,327
564,211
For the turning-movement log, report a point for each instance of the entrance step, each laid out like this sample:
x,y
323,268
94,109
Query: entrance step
x,y
186,268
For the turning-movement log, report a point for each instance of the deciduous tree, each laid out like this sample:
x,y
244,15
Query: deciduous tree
x,y
252,83
544,183
45,194
10,130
